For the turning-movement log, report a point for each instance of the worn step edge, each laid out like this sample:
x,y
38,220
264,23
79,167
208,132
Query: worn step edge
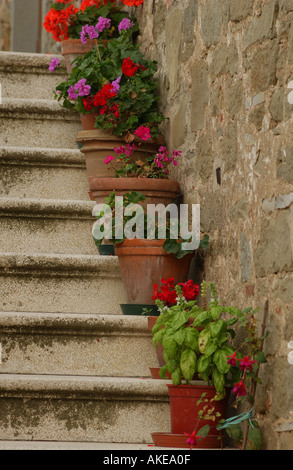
x,y
21,108
62,445
95,388
60,264
28,156
29,62
54,208
73,323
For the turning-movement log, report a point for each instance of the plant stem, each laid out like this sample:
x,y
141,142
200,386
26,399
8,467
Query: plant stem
x,y
97,44
244,443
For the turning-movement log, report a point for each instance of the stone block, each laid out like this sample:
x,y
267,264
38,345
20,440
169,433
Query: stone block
x,y
285,169
274,251
173,37
211,22
261,27
229,146
245,258
199,94
240,9
263,66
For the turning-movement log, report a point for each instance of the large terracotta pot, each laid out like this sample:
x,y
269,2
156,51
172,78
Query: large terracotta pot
x,y
144,263
165,439
73,48
97,144
184,408
156,191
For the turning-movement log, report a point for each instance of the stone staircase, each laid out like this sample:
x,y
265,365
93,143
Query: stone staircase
x,y
74,372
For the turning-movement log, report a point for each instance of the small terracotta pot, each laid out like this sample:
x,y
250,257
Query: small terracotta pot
x,y
73,48
156,191
184,408
144,263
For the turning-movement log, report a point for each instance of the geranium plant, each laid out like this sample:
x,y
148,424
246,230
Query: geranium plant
x,y
121,89
126,164
132,199
66,21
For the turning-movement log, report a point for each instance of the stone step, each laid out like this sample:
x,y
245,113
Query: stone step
x,y
46,226
43,172
25,75
52,445
60,283
76,344
37,123
85,409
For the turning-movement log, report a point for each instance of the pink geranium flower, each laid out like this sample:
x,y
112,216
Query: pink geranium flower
x,y
143,133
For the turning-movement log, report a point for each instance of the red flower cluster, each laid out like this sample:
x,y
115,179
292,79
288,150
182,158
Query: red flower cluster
x,y
88,103
96,3
168,293
129,68
132,3
104,95
57,22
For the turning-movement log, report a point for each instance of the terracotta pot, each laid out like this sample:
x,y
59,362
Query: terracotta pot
x,y
184,408
144,263
165,439
156,191
73,48
155,373
97,144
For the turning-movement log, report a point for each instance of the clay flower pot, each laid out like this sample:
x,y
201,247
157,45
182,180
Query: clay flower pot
x,y
73,48
156,191
97,144
184,408
144,263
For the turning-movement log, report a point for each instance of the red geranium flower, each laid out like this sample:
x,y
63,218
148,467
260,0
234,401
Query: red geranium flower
x,y
104,95
88,103
129,68
132,3
96,3
57,22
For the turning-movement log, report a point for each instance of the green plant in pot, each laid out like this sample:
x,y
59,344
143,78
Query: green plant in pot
x,y
144,257
199,340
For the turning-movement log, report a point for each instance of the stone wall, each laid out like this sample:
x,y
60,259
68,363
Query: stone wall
x,y
223,73
5,25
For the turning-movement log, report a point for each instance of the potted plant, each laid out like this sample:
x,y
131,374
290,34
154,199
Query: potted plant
x,y
203,346
144,257
77,28
113,90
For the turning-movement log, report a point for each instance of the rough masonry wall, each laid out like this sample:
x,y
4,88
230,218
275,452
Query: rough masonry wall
x,y
223,73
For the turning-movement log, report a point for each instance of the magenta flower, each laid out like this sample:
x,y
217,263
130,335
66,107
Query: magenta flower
x,y
115,85
246,363
239,389
82,88
72,94
192,438
109,159
53,64
103,23
143,133
232,359
125,24
88,32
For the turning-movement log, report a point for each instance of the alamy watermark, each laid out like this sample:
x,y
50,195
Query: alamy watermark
x,y
152,222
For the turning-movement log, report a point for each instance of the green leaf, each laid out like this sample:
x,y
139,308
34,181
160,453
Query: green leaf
x,y
255,438
218,380
169,345
220,359
191,338
203,364
176,376
179,336
216,327
235,432
203,339
203,432
188,363
216,312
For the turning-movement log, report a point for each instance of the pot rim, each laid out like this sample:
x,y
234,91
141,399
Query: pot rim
x,y
154,184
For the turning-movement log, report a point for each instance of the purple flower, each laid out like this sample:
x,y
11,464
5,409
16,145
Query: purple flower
x,y
88,32
103,23
125,24
72,94
82,88
53,64
115,85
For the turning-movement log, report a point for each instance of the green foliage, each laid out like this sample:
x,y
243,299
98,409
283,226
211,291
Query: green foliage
x,y
200,346
135,198
137,99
